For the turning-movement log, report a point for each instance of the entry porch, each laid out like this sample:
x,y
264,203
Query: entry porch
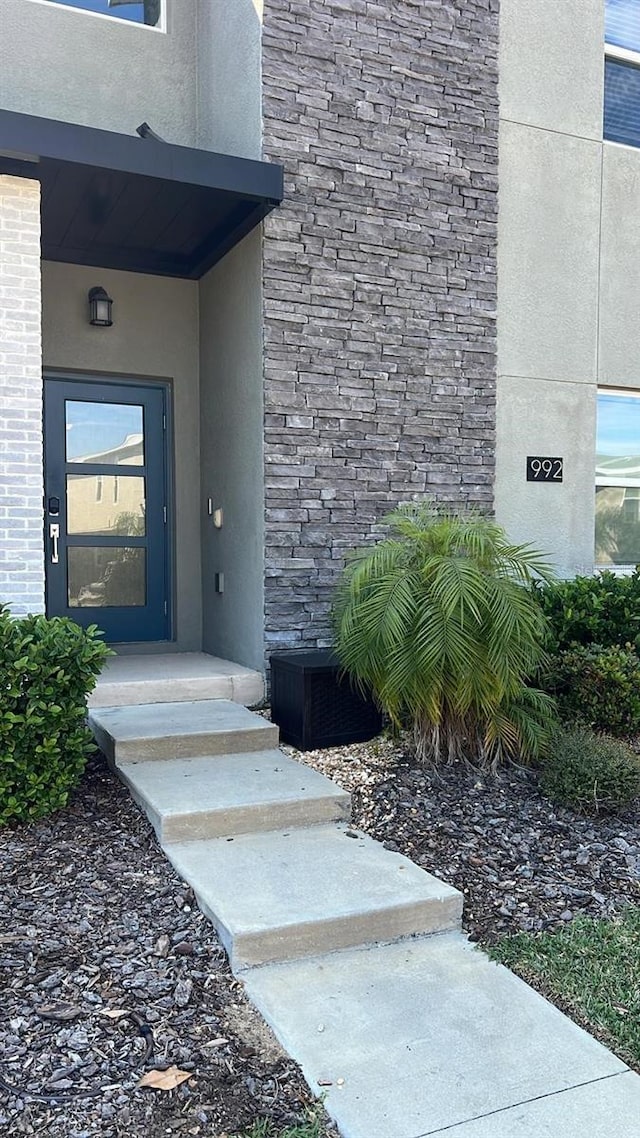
x,y
175,677
131,447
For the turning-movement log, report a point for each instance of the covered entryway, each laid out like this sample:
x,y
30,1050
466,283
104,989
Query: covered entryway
x,y
123,202
153,534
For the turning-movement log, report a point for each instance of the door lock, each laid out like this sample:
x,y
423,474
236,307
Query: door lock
x,y
54,534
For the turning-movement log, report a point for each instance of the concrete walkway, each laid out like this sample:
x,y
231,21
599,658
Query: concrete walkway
x,y
352,953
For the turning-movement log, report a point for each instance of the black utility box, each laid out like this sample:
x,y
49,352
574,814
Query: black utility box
x,y
313,707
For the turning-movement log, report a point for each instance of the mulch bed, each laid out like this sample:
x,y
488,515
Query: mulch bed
x,y
522,863
94,920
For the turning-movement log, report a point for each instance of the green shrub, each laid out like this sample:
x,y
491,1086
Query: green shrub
x,y
47,669
603,609
590,772
597,687
439,622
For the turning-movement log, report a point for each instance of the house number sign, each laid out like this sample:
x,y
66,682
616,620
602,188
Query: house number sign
x,y
541,469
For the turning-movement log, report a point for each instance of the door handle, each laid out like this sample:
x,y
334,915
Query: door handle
x,y
54,534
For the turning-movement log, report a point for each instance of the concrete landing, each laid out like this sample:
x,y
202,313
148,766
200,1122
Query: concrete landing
x,y
179,730
281,895
173,677
191,799
428,1036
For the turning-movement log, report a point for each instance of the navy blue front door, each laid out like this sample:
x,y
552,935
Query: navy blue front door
x,y
105,507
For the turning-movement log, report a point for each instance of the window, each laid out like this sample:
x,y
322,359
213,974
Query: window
x,y
622,72
617,535
621,102
136,11
622,24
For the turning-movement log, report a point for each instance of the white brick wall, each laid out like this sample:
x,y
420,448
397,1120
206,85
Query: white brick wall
x,y
21,476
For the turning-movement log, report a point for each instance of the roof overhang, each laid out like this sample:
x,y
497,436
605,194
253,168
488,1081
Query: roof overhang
x,y
123,202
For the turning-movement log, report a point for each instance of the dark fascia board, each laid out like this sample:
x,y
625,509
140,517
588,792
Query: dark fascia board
x,y
219,245
29,138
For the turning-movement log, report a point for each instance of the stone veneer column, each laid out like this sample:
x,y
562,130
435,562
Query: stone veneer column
x,y
379,278
21,477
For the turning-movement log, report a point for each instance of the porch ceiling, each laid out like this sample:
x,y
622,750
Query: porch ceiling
x,y
122,202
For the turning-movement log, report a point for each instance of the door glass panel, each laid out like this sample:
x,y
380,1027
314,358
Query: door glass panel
x,y
101,577
106,503
110,433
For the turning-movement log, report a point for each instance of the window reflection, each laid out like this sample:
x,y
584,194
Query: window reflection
x,y
621,102
617,528
104,433
622,24
137,11
617,525
106,504
106,578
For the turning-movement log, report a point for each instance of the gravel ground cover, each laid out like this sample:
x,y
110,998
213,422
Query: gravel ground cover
x,y
109,972
523,864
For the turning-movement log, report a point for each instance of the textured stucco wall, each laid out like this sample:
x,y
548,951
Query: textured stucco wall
x,y
21,538
68,64
232,454
379,278
197,82
568,270
231,352
229,58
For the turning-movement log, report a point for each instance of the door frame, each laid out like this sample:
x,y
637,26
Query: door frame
x,y
65,375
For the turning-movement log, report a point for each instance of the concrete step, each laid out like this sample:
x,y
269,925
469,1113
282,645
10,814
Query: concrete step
x,y
173,677
179,730
214,797
276,896
428,1037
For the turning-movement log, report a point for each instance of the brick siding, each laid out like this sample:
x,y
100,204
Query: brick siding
x,y
379,278
21,477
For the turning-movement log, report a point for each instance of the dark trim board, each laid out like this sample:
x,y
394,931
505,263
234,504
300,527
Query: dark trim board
x,y
123,202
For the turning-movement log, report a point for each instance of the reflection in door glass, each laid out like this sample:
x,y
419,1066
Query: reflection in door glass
x,y
101,577
110,433
106,504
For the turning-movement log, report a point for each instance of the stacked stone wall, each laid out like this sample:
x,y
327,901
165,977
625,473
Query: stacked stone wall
x,y
379,279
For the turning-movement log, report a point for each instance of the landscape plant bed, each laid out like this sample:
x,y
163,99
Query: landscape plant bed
x,y
523,864
108,972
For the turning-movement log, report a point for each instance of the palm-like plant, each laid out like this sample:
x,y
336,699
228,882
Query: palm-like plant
x,y
439,623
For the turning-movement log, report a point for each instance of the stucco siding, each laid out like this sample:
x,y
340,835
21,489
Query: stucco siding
x,y
229,59
232,455
568,270
68,64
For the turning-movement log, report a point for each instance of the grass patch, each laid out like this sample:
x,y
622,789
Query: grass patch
x,y
314,1127
590,969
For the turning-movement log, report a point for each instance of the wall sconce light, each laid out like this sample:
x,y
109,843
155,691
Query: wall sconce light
x,y
100,307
